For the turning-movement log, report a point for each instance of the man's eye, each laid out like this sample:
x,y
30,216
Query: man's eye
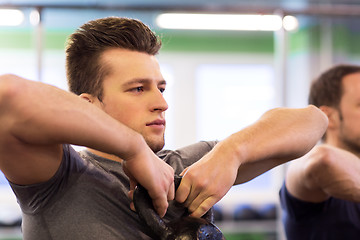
x,y
162,90
138,89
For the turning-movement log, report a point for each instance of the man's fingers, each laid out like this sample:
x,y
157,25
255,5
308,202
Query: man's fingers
x,y
132,206
205,206
183,191
184,172
160,206
132,184
171,192
160,199
131,195
197,193
198,202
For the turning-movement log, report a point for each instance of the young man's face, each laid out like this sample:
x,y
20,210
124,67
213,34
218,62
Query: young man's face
x,y
132,93
349,127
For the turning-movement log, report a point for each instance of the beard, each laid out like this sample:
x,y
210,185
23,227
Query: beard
x,y
352,145
155,144
349,139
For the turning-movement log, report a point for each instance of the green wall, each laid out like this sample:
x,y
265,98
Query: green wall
x,y
172,41
305,39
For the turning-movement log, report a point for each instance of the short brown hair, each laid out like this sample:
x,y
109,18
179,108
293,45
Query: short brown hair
x,y
327,89
85,47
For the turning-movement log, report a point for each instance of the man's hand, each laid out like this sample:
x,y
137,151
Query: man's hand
x,y
205,182
153,174
324,172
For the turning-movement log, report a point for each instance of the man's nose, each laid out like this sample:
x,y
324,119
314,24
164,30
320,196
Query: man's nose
x,y
159,102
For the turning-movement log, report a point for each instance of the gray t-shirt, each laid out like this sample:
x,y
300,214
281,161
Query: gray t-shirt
x,y
87,198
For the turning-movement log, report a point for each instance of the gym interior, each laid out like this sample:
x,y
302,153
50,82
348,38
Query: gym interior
x,y
239,72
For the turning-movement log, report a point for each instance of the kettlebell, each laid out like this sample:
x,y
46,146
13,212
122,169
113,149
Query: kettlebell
x,y
182,228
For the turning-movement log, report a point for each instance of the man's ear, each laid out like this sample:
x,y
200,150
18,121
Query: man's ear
x,y
332,114
88,97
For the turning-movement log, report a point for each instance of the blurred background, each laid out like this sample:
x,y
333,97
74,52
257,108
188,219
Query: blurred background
x,y
264,54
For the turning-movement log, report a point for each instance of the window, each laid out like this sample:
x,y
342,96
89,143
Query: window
x,y
229,97
235,94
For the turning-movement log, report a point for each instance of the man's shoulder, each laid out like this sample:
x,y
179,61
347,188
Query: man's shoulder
x,y
185,156
202,146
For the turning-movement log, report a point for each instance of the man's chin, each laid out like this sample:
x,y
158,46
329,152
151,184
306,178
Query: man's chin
x,y
155,145
157,148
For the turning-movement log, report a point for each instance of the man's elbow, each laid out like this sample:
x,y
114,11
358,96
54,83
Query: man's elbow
x,y
10,88
320,115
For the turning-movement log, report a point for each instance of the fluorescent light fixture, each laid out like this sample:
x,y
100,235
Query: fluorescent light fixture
x,y
11,17
245,22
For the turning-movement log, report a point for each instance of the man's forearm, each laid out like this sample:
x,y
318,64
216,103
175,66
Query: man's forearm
x,y
38,113
280,135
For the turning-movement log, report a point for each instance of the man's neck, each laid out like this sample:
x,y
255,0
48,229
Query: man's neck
x,y
105,155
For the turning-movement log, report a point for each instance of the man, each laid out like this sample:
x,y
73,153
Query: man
x,y
320,197
111,65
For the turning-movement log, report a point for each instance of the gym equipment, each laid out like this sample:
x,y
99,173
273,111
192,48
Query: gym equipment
x,y
183,228
245,212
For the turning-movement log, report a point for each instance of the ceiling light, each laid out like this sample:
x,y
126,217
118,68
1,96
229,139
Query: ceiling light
x,y
11,17
245,22
290,23
34,17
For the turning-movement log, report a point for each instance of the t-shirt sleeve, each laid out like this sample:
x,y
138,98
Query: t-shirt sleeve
x,y
32,198
185,156
297,209
192,153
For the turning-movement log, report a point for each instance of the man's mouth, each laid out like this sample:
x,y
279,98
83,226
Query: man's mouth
x,y
158,122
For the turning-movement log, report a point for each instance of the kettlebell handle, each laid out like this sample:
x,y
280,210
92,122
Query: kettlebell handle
x,y
147,214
